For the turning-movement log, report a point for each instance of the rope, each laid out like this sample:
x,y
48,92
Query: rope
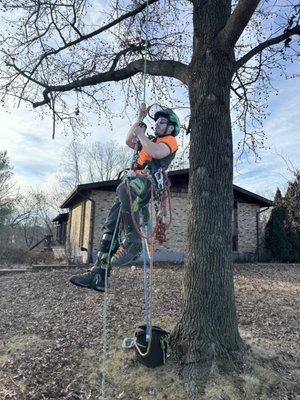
x,y
145,244
157,230
104,315
146,293
148,288
146,51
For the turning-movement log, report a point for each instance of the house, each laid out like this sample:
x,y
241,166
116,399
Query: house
x,y
89,203
60,228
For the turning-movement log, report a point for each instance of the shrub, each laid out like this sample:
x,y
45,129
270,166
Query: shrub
x,y
276,239
13,255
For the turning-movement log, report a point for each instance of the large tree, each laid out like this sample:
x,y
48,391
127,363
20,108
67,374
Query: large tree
x,y
212,48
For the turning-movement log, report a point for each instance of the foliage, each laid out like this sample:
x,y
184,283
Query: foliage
x,y
8,194
293,236
19,255
282,235
276,240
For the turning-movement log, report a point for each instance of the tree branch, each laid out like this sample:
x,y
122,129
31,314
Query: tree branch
x,y
131,48
258,49
92,34
173,69
237,22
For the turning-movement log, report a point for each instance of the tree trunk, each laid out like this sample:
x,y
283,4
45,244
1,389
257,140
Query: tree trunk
x,y
207,330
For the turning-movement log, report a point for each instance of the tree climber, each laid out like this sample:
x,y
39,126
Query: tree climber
x,y
153,153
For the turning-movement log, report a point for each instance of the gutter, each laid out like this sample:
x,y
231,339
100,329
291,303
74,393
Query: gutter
x,y
257,232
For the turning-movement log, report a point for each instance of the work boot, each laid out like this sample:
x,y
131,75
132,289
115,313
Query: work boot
x,y
92,279
126,253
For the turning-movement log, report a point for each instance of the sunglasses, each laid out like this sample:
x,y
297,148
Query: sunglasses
x,y
162,121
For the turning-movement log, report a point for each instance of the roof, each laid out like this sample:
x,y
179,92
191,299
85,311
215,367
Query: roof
x,y
179,180
61,217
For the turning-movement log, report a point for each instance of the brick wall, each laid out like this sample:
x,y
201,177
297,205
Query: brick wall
x,y
176,234
247,241
103,203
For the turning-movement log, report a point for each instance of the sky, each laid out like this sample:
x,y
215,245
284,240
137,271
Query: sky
x,y
35,156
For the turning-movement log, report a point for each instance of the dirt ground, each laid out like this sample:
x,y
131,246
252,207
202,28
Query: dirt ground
x,y
50,335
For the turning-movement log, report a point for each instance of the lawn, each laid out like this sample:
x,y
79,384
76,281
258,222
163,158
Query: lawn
x,y
50,336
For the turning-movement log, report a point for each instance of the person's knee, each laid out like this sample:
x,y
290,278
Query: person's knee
x,y
121,190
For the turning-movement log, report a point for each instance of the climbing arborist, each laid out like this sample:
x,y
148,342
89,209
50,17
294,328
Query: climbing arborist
x,y
151,153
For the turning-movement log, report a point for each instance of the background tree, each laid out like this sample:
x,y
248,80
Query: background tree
x,y
292,201
276,240
9,194
93,162
54,48
37,210
292,207
104,161
282,233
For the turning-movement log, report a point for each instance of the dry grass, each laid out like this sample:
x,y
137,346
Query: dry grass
x,y
50,337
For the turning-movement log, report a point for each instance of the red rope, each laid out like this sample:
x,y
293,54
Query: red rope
x,y
159,230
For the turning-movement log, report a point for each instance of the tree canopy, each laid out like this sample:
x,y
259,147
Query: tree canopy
x,y
50,49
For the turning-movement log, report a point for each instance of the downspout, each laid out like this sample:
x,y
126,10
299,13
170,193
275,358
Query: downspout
x,y
257,232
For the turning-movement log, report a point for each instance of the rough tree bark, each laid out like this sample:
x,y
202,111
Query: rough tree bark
x,y
207,329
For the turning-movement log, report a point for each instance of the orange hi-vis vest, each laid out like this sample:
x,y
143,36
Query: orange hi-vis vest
x,y
143,156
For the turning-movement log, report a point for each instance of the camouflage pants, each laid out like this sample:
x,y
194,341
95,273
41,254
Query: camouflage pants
x,y
140,193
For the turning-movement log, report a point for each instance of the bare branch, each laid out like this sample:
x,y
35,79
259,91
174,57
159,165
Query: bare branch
x,y
173,69
258,49
92,34
237,22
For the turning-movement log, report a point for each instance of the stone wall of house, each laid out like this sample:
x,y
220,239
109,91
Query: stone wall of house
x,y
73,237
103,202
176,234
247,236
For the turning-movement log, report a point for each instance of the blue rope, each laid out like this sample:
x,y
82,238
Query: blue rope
x,y
146,292
146,285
